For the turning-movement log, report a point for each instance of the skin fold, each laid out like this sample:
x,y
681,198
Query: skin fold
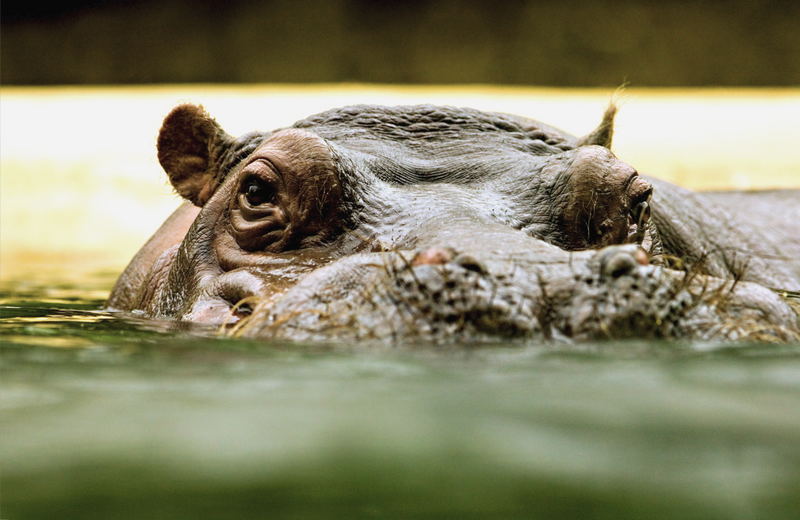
x,y
439,224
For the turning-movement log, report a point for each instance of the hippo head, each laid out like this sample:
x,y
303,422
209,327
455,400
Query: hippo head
x,y
425,222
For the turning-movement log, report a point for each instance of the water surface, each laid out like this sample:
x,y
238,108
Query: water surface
x,y
106,416
112,417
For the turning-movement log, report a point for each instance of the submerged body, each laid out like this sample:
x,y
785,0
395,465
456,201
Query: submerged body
x,y
440,223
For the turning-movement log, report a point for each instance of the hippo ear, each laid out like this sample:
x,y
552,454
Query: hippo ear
x,y
190,145
603,134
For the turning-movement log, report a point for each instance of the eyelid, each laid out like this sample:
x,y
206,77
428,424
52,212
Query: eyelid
x,y
250,212
268,181
264,170
265,162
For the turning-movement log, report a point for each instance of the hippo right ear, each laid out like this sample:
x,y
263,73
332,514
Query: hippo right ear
x,y
603,134
190,145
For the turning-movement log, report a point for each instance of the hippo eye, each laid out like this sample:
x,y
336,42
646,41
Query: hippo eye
x,y
257,192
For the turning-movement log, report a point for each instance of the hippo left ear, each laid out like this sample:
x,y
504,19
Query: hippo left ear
x,y
603,134
190,146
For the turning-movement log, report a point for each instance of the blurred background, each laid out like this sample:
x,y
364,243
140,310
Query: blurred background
x,y
711,103
564,43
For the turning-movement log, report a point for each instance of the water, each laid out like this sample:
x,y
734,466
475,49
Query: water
x,y
104,416
110,417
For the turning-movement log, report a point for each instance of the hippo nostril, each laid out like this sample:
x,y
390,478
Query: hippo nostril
x,y
433,256
470,263
640,255
619,265
619,261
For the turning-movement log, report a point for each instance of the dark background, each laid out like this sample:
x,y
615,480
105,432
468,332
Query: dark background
x,y
567,43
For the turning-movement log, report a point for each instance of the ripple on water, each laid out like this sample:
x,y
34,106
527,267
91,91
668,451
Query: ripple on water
x,y
155,418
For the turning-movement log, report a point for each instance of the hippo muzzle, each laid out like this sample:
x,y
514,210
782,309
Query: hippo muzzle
x,y
608,294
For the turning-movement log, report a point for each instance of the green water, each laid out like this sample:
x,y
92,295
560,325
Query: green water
x,y
108,417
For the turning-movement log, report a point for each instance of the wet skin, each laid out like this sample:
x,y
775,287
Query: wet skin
x,y
439,223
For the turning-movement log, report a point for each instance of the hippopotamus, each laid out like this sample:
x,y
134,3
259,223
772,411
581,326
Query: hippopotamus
x,y
435,223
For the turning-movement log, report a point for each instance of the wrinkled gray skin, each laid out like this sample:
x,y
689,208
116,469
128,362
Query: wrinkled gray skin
x,y
438,223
